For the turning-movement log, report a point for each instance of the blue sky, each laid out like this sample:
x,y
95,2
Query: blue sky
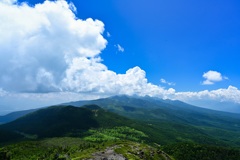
x,y
58,51
174,40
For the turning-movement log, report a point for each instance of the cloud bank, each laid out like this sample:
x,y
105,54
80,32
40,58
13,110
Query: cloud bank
x,y
231,94
49,54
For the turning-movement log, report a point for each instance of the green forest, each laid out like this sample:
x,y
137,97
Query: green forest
x,y
121,128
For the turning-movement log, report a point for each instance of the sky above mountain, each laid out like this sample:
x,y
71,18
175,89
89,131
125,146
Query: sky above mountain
x,y
58,51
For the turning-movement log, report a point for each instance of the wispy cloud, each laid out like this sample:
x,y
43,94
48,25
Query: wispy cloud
x,y
166,82
108,34
212,77
120,48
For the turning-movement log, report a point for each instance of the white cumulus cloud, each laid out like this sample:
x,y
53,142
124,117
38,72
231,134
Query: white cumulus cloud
x,y
211,77
46,48
38,44
8,1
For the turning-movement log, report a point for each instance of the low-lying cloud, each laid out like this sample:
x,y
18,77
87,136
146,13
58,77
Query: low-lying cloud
x,y
231,94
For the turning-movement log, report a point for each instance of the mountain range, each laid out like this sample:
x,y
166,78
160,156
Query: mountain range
x,y
225,106
165,114
141,119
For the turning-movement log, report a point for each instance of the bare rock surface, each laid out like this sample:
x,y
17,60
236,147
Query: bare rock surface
x,y
108,154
